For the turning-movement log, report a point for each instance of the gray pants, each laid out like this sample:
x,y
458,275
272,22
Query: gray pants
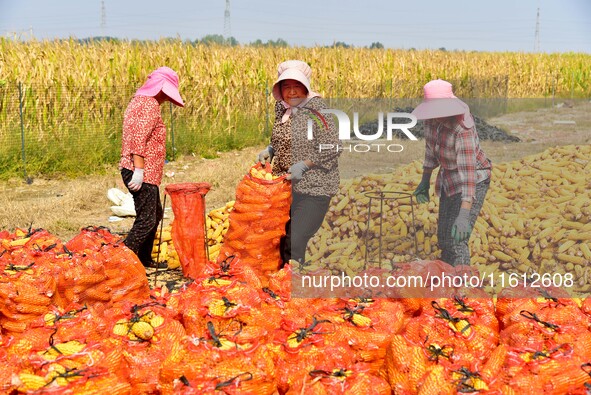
x,y
453,252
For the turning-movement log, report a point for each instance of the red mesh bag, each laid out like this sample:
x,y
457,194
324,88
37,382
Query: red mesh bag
x,y
257,222
188,227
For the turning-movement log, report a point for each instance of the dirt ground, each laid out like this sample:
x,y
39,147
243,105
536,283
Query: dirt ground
x,y
63,207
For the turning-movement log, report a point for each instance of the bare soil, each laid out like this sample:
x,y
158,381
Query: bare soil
x,y
64,206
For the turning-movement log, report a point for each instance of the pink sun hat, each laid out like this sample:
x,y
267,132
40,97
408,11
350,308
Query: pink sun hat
x,y
440,102
162,79
293,70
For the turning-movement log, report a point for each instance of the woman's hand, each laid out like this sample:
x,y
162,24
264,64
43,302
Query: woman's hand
x,y
136,180
460,230
266,155
297,170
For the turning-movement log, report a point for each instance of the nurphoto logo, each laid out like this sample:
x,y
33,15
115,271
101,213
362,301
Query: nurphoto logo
x,y
392,124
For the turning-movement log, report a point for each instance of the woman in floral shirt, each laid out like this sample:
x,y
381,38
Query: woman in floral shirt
x,y
143,152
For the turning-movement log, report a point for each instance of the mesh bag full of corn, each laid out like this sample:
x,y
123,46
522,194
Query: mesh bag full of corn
x,y
258,220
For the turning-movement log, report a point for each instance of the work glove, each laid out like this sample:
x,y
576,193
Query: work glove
x,y
266,155
422,191
297,170
136,180
461,230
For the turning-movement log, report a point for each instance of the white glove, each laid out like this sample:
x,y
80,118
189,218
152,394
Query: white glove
x,y
136,180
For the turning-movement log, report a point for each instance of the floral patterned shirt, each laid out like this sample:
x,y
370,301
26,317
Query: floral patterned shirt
x,y
144,134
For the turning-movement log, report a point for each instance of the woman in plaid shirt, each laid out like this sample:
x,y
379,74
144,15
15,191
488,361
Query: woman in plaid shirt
x,y
464,170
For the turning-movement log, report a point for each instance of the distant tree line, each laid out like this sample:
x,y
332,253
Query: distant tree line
x,y
218,39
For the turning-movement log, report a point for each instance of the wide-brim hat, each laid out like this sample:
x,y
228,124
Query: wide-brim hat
x,y
439,102
293,70
162,79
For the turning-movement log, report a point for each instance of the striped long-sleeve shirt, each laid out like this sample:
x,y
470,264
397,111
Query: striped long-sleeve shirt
x,y
457,151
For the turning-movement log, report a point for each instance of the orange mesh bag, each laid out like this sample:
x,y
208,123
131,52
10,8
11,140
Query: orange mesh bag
x,y
143,368
436,381
512,300
126,276
188,226
230,301
26,293
8,368
291,365
339,380
404,365
76,322
233,376
258,220
188,359
228,268
367,325
91,238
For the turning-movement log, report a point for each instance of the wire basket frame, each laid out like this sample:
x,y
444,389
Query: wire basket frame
x,y
381,197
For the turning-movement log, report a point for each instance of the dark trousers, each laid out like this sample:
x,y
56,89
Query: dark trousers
x,y
306,216
453,252
148,209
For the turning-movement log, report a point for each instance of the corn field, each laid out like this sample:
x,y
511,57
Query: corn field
x,y
70,89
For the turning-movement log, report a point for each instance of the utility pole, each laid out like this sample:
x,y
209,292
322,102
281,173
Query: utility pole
x,y
227,29
537,39
103,17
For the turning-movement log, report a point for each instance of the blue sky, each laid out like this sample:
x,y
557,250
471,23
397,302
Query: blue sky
x,y
502,25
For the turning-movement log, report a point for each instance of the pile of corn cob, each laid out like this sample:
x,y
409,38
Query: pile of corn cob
x,y
536,219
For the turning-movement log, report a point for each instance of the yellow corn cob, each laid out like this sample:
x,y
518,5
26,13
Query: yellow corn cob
x,y
147,316
479,384
165,236
427,245
361,320
579,236
547,231
572,225
31,382
420,236
156,321
292,340
217,232
143,330
585,250
566,245
218,308
577,260
71,347
174,263
403,229
517,243
501,256
121,327
217,214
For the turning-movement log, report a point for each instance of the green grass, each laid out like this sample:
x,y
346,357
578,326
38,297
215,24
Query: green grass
x,y
73,149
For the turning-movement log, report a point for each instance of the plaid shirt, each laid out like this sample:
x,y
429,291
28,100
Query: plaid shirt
x,y
144,134
457,150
